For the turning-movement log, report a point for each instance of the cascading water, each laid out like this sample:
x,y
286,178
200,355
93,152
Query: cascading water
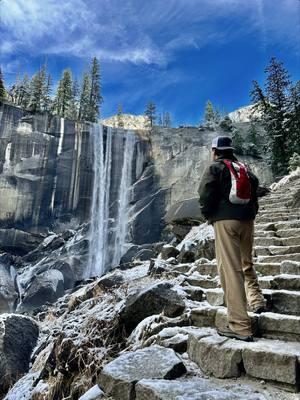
x,y
113,152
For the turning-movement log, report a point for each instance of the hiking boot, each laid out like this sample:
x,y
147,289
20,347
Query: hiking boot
x,y
230,334
260,310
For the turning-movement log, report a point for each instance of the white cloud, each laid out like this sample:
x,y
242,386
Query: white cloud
x,y
136,31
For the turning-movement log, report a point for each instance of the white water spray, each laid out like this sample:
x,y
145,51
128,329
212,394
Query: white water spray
x,y
109,213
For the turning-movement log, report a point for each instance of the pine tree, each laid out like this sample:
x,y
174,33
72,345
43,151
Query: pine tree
x,y
159,120
294,118
84,102
167,120
25,92
2,88
74,102
150,113
95,92
63,99
38,86
120,120
274,103
209,115
46,100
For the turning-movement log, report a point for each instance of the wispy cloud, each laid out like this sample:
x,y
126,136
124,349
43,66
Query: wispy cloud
x,y
132,30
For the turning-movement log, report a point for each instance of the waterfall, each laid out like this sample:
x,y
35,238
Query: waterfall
x,y
113,152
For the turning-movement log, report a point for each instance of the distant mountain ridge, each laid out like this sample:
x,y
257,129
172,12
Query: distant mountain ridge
x,y
245,114
127,121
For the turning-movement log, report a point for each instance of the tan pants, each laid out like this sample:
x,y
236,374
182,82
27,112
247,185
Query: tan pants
x,y
234,243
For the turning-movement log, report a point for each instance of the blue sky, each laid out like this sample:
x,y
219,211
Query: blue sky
x,y
178,53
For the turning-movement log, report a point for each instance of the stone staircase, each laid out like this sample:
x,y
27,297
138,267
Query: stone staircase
x,y
275,353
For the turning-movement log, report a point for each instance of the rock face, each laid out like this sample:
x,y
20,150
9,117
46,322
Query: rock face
x,y
182,154
8,291
46,178
118,378
18,337
46,287
152,300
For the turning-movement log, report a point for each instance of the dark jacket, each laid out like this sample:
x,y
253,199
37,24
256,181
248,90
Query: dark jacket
x,y
214,192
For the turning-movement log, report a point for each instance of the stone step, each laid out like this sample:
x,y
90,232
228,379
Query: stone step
x,y
279,258
278,301
268,325
277,218
295,223
279,211
261,268
207,269
202,281
276,250
276,199
264,359
266,234
277,241
275,206
267,241
283,281
290,267
291,241
267,268
287,233
265,227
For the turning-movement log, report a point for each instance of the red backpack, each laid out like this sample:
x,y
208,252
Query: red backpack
x,y
240,192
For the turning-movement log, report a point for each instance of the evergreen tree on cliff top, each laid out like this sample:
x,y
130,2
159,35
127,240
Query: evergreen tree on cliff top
x,y
38,90
120,120
84,101
2,88
274,103
167,120
25,92
63,98
95,92
209,115
150,113
294,118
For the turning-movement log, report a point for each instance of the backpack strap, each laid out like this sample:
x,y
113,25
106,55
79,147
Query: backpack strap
x,y
229,165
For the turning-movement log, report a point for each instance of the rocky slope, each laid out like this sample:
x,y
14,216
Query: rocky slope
x,y
166,312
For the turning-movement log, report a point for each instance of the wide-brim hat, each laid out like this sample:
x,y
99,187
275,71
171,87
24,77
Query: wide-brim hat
x,y
222,143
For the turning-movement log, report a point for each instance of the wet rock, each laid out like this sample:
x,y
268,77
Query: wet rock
x,y
44,288
67,272
187,253
19,242
144,254
181,230
185,211
168,251
141,252
111,280
148,301
202,238
157,267
8,290
18,336
118,378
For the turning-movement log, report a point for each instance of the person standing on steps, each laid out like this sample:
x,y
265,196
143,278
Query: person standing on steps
x,y
228,200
